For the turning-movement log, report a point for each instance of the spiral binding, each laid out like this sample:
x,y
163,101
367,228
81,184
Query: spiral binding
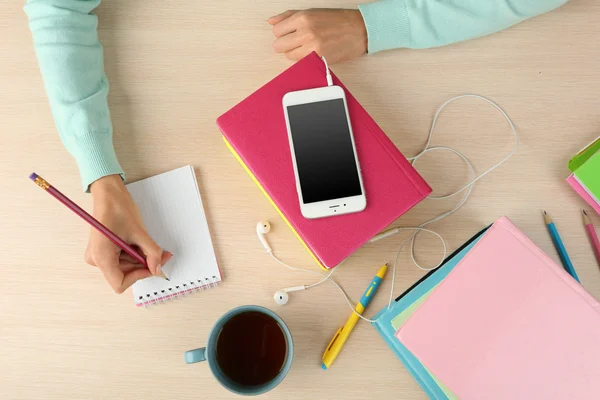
x,y
178,291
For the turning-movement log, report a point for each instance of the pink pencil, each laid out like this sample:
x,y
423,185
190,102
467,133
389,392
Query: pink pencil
x,y
592,235
123,245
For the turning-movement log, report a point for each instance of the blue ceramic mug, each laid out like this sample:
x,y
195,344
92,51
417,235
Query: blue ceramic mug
x,y
209,353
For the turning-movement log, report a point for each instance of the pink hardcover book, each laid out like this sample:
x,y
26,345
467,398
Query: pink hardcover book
x,y
255,131
509,323
581,191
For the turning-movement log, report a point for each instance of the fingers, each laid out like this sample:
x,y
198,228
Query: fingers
x,y
108,263
133,276
126,257
89,259
151,250
119,268
295,35
278,18
127,266
166,256
287,25
123,275
338,34
287,43
299,53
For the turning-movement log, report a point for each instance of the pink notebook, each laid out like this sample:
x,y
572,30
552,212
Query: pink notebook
x,y
509,323
255,131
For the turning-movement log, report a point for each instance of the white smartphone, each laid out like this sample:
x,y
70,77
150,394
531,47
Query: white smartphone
x,y
328,178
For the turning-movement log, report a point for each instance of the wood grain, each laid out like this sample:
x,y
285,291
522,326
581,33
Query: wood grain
x,y
174,67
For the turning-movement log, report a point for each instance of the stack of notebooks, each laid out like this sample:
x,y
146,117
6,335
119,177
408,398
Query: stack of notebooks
x,y
585,176
255,132
498,320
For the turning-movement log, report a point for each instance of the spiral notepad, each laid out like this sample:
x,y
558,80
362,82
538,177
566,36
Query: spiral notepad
x,y
173,214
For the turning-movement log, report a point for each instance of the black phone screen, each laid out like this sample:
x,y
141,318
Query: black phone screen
x,y
325,159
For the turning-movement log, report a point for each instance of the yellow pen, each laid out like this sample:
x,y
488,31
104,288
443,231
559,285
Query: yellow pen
x,y
338,341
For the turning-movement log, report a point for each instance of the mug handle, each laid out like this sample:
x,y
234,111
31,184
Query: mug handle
x,y
196,355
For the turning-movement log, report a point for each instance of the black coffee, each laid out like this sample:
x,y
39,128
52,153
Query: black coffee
x,y
251,349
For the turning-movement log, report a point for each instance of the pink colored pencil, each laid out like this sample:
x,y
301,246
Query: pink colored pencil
x,y
592,235
90,220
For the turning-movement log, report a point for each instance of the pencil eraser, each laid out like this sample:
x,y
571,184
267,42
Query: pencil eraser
x,y
33,176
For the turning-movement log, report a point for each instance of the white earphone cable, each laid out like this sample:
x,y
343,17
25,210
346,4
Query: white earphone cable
x,y
416,230
427,149
327,73
327,277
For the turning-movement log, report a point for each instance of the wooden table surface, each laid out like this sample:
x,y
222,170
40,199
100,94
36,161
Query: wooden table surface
x,y
176,66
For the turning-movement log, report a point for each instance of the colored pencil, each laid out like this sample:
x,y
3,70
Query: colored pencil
x,y
589,227
90,220
560,247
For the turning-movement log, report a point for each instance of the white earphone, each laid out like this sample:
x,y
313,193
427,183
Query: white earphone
x,y
281,297
262,228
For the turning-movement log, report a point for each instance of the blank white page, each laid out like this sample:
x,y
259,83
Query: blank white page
x,y
173,214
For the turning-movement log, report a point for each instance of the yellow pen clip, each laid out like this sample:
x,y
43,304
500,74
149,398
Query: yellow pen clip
x,y
337,334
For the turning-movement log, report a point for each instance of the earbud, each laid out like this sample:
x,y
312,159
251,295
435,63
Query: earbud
x,y
281,297
262,228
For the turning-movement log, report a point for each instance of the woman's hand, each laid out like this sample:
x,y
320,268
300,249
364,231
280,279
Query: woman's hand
x,y
339,35
114,207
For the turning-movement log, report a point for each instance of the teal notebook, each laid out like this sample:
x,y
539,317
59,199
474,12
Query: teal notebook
x,y
388,321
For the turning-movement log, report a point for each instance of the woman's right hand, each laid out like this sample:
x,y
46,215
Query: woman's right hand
x,y
114,208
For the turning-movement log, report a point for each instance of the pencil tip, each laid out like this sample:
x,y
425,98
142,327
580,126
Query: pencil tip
x,y
544,211
162,275
584,213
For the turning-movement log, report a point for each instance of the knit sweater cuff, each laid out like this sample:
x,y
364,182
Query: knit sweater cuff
x,y
96,158
388,25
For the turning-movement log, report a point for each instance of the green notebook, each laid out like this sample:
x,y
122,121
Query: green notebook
x,y
584,155
588,175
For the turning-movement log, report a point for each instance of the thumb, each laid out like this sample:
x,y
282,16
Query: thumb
x,y
150,249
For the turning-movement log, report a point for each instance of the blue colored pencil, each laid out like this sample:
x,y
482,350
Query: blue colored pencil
x,y
560,247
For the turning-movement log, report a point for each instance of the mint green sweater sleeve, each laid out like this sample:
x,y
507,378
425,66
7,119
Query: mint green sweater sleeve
x,y
70,56
421,24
